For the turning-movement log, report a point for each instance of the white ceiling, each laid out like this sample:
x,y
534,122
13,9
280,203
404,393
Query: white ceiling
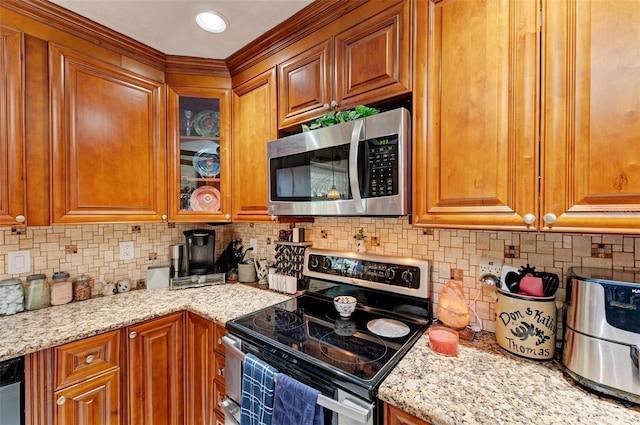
x,y
169,25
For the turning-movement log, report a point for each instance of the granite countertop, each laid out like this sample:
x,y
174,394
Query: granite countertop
x,y
31,331
484,384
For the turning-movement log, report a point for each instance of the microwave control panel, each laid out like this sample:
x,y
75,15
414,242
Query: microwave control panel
x,y
383,167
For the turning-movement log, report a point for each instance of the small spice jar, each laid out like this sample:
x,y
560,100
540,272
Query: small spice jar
x,y
11,296
61,289
82,287
36,292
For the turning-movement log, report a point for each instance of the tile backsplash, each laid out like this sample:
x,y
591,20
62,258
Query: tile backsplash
x,y
454,253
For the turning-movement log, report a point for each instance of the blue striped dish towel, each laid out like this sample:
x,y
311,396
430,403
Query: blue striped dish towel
x,y
296,403
258,382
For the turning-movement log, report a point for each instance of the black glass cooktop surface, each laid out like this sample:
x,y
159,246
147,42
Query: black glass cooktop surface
x,y
309,328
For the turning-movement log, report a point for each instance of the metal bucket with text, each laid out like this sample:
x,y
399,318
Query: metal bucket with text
x,y
525,325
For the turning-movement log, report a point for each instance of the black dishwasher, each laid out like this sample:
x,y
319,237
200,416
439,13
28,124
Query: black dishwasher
x,y
12,391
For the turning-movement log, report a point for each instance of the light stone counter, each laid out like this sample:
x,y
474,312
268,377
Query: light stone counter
x,y
31,331
486,385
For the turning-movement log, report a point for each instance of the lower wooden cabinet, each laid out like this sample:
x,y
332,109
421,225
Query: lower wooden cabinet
x,y
155,371
171,372
95,401
87,381
200,373
396,416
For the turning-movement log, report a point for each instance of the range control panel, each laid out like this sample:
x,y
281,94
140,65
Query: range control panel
x,y
375,271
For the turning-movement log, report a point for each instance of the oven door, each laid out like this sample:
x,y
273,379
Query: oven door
x,y
340,407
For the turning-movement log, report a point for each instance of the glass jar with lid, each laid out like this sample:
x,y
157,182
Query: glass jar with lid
x,y
82,287
11,296
36,292
61,288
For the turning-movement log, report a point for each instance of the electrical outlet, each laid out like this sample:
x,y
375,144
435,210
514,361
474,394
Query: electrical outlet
x,y
490,266
126,250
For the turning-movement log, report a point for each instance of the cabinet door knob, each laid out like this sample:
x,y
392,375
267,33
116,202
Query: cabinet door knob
x,y
549,218
529,218
133,334
326,106
334,104
164,217
20,219
227,216
220,371
61,400
90,358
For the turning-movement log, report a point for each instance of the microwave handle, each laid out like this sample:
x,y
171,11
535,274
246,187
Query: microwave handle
x,y
356,135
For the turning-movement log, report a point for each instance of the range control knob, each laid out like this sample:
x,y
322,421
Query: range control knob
x,y
407,276
326,263
315,261
389,273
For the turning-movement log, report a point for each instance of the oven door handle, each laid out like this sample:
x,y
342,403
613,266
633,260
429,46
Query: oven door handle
x,y
350,408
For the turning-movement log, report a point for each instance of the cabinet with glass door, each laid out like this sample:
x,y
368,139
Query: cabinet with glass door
x,y
199,171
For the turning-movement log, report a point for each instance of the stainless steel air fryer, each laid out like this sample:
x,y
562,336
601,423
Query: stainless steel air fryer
x,y
199,251
602,331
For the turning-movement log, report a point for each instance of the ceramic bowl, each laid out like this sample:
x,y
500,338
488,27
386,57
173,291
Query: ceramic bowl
x,y
345,305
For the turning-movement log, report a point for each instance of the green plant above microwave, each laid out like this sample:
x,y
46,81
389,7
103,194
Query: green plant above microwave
x,y
338,117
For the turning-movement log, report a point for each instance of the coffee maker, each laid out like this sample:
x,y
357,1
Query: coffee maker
x,y
199,251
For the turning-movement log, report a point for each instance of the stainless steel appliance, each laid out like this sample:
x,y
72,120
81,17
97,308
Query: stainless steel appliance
x,y
360,167
176,255
345,358
200,251
602,331
12,392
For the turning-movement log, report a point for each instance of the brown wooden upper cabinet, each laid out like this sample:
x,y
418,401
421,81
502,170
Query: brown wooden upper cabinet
x,y
254,109
12,181
488,154
199,154
365,63
108,142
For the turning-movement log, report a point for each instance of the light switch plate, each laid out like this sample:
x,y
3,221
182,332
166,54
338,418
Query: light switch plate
x,y
19,262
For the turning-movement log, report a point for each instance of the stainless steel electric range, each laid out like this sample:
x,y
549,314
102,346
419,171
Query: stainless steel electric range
x,y
345,358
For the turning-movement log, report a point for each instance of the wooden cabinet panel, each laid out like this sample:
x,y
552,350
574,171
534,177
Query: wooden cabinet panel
x,y
81,359
220,332
254,124
109,153
156,372
207,106
590,173
200,369
304,84
93,402
12,143
38,388
365,63
475,153
373,58
396,416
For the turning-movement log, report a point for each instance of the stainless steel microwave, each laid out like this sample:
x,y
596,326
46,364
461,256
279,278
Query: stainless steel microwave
x,y
357,168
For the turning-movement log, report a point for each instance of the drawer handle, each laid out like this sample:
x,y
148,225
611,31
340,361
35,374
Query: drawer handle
x,y
133,334
61,400
220,371
90,358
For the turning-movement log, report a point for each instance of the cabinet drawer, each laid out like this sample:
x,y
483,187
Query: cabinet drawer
x,y
76,361
218,368
220,332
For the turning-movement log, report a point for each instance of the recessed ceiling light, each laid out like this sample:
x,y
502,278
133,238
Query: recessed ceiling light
x,y
211,22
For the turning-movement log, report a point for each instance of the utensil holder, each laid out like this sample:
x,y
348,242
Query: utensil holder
x,y
526,326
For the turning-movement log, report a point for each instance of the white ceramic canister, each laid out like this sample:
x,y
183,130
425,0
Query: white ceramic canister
x,y
525,325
